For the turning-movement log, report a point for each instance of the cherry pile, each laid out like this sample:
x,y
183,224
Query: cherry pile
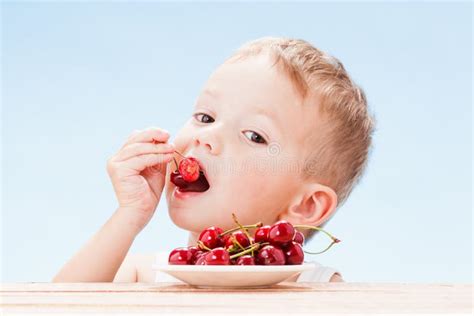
x,y
278,244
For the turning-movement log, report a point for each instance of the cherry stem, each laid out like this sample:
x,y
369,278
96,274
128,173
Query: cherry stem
x,y
180,154
235,242
246,251
334,239
176,163
320,252
244,230
259,224
202,246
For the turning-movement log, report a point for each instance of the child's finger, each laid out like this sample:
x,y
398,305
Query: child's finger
x,y
139,163
149,135
137,149
156,183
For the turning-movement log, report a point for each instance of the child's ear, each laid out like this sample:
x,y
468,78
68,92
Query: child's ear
x,y
314,207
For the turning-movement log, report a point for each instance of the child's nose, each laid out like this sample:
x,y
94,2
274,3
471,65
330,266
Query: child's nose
x,y
208,144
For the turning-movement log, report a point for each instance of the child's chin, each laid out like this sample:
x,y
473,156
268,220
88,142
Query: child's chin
x,y
187,218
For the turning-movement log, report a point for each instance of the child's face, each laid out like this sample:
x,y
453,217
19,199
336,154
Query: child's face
x,y
248,131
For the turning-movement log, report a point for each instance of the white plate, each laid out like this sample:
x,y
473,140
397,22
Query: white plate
x,y
232,276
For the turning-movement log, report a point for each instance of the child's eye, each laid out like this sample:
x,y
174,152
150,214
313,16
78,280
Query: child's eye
x,y
255,137
203,118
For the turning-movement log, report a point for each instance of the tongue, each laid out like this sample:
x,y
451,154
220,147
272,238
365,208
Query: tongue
x,y
200,185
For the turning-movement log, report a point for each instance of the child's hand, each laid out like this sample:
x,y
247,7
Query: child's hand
x,y
138,173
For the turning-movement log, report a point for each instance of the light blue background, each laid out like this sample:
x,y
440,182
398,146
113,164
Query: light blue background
x,y
78,78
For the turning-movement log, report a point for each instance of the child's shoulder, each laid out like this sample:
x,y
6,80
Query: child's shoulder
x,y
137,267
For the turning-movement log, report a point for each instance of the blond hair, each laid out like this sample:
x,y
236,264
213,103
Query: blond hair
x,y
339,156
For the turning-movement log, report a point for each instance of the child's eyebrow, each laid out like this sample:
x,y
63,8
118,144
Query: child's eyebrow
x,y
261,110
211,92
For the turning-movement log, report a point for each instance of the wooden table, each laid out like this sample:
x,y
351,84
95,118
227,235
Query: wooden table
x,y
285,298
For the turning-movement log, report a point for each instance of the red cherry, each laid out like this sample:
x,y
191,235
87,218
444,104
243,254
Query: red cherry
x,y
225,239
299,238
195,253
180,256
294,253
201,259
189,169
241,238
229,244
210,237
246,260
217,256
193,250
261,234
200,185
270,255
231,241
281,232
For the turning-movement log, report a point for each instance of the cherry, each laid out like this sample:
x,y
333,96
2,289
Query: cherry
x,y
225,239
240,237
180,256
281,232
294,253
217,256
210,237
299,238
246,260
195,253
229,244
270,255
193,250
235,239
200,185
201,259
261,234
189,169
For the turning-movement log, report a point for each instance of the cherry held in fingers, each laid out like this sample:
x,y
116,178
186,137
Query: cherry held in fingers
x,y
189,169
200,185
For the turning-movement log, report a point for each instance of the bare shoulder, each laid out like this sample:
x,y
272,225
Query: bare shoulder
x,y
336,277
136,268
127,271
143,264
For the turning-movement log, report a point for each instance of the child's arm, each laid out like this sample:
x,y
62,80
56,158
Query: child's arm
x,y
100,258
138,174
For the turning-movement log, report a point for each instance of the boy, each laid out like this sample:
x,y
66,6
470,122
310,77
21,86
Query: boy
x,y
281,132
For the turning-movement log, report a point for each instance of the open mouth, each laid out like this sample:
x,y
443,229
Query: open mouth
x,y
199,185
